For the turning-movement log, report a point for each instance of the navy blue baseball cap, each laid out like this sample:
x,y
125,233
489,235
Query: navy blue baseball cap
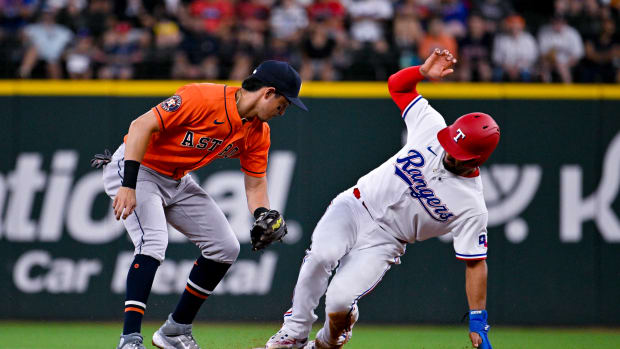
x,y
283,77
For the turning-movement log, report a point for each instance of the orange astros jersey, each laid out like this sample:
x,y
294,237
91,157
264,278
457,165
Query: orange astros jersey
x,y
199,124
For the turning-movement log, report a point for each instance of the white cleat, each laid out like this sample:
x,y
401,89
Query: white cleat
x,y
172,335
285,340
131,341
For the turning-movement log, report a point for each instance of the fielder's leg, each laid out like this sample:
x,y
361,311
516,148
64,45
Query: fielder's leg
x,y
197,216
148,231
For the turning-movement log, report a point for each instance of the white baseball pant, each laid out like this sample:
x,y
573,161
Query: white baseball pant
x,y
347,237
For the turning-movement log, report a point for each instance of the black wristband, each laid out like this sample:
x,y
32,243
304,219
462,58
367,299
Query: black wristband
x,y
131,173
258,211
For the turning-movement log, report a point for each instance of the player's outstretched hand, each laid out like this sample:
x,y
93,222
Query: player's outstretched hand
x,y
438,65
124,202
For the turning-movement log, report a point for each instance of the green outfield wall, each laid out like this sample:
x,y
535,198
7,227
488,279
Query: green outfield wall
x,y
551,188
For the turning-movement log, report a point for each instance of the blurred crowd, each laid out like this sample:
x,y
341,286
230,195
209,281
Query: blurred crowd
x,y
494,40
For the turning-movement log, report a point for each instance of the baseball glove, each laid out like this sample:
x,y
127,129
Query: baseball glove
x,y
269,227
100,160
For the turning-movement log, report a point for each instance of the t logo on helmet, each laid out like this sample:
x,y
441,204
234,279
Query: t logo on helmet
x,y
459,134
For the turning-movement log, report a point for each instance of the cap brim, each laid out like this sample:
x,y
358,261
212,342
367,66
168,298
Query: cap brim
x,y
297,102
444,137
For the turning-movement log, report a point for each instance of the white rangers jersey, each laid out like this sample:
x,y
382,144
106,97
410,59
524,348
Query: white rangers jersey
x,y
415,198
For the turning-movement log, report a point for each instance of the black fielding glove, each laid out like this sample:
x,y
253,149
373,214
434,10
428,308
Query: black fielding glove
x,y
100,160
269,227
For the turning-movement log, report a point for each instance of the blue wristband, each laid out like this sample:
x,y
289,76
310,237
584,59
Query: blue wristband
x,y
478,321
478,324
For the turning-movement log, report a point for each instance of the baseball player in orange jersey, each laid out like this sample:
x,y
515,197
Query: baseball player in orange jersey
x,y
429,188
147,177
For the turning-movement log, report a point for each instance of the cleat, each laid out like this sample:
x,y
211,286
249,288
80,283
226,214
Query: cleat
x,y
284,340
172,335
131,341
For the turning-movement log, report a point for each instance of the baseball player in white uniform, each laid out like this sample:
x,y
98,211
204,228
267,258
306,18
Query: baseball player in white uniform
x,y
431,187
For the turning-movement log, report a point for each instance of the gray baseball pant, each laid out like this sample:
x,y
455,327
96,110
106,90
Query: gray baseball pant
x,y
182,203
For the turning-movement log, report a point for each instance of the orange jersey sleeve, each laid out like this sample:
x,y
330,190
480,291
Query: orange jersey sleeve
x,y
185,107
257,142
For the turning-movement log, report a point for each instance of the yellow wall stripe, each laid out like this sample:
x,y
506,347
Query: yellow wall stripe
x,y
161,88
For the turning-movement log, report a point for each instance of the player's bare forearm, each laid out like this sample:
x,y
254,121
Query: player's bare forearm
x,y
139,135
137,141
476,284
256,192
476,288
